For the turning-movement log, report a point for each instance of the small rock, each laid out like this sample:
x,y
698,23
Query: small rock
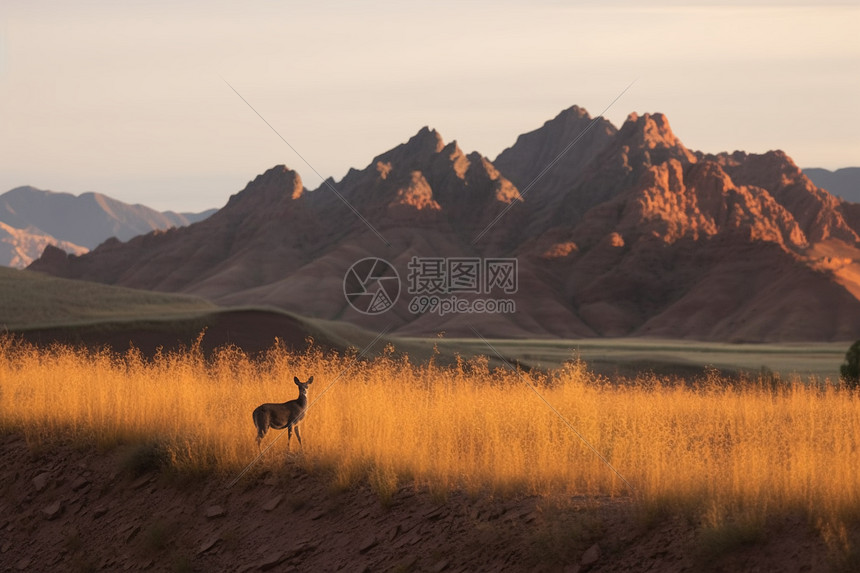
x,y
440,566
317,514
591,555
368,544
52,511
392,535
298,549
270,562
80,483
214,511
208,544
273,503
141,481
132,532
40,482
99,511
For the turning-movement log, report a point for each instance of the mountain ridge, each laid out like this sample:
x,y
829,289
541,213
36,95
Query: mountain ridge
x,y
34,218
632,234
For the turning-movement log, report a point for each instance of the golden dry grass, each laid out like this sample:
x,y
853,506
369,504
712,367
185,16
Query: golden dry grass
x,y
751,448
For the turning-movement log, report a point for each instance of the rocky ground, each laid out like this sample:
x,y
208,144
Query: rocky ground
x,y
65,508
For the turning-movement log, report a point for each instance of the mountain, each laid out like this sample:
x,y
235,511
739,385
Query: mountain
x,y
19,247
844,183
190,217
628,233
33,218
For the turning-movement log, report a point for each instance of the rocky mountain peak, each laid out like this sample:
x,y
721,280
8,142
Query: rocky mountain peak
x,y
458,160
547,163
418,150
818,212
269,188
652,132
426,138
574,112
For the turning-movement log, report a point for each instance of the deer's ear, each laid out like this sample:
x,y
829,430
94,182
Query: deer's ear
x,y
296,380
311,379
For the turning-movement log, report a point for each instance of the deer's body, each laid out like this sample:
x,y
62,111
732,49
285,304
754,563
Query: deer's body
x,y
280,416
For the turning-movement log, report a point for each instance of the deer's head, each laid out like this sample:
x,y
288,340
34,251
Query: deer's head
x,y
303,386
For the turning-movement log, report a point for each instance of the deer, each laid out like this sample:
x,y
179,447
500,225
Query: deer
x,y
280,416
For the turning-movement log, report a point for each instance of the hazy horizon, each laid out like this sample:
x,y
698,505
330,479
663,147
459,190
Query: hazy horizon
x,y
128,99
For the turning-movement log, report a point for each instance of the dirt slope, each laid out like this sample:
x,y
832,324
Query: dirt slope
x,y
77,509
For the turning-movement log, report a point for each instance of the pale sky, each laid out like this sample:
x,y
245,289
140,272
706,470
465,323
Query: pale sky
x,y
127,98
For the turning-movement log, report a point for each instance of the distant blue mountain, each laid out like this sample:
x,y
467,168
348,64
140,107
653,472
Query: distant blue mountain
x,y
844,183
33,217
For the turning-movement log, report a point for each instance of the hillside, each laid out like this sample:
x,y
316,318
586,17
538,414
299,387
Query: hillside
x,y
33,300
629,234
31,219
45,309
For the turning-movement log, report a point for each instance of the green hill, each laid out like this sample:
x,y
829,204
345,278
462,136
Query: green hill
x,y
44,309
32,300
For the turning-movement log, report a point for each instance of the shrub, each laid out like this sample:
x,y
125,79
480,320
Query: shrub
x,y
850,371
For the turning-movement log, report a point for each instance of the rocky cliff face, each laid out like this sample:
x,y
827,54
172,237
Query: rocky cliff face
x,y
617,232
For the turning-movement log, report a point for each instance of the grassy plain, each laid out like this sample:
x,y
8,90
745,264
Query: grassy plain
x,y
727,449
630,356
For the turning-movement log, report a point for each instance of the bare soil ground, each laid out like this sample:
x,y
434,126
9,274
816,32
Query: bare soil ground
x,y
75,508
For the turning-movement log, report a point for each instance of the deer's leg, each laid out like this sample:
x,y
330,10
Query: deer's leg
x,y
261,433
290,435
298,435
262,423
